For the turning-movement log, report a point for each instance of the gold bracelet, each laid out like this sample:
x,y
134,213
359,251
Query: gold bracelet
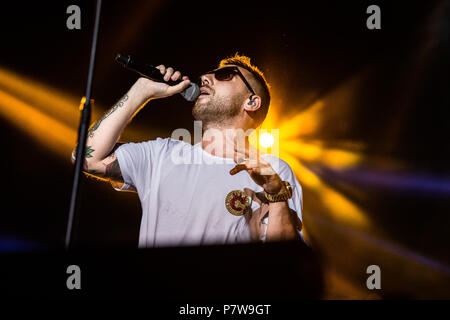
x,y
284,194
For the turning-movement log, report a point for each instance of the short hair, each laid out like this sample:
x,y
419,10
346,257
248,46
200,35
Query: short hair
x,y
262,86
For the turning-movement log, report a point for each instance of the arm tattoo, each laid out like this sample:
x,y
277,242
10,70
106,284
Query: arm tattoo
x,y
87,170
89,151
107,114
87,154
113,171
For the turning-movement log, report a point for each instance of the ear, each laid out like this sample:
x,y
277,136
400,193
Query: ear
x,y
253,103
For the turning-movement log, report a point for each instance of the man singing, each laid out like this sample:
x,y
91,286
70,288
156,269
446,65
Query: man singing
x,y
224,195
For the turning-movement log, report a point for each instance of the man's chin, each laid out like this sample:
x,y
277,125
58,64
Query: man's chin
x,y
203,99
200,105
199,110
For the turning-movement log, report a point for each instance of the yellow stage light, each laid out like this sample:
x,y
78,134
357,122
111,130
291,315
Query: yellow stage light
x,y
50,116
266,140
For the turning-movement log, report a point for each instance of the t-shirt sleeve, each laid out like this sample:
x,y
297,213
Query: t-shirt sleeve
x,y
136,161
296,202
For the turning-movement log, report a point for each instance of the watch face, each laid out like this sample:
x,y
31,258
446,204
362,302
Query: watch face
x,y
288,188
283,195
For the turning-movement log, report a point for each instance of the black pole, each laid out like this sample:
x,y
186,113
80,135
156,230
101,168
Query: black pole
x,y
82,132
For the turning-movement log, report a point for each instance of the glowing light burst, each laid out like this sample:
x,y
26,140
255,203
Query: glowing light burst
x,y
266,140
290,146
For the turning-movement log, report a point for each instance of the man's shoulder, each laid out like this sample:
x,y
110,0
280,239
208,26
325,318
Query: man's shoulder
x,y
154,146
172,145
173,148
278,164
175,142
166,142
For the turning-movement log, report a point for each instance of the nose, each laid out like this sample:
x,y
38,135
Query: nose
x,y
206,79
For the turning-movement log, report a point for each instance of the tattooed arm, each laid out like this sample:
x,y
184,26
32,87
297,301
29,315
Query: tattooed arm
x,y
100,159
110,169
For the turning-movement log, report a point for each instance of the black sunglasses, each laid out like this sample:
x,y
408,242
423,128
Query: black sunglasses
x,y
227,73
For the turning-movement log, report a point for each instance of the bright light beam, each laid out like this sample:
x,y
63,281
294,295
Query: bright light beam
x,y
52,133
266,140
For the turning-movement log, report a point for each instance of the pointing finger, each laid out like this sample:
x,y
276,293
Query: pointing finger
x,y
238,168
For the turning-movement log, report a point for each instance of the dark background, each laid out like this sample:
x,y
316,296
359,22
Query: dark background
x,y
306,49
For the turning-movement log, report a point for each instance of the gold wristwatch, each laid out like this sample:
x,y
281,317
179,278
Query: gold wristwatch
x,y
284,194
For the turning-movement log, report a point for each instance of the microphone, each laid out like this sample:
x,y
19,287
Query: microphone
x,y
148,71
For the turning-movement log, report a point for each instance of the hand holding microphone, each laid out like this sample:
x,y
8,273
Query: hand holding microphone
x,y
160,82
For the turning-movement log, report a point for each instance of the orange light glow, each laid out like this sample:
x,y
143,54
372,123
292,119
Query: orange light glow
x,y
49,116
296,150
50,132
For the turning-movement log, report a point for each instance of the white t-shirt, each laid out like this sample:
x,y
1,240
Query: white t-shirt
x,y
182,189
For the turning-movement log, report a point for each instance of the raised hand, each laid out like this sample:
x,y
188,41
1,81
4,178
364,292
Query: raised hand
x,y
260,171
147,88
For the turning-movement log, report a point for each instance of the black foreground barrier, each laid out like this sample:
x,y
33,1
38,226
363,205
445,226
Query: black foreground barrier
x,y
285,270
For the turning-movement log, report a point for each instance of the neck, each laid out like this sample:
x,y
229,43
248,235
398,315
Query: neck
x,y
220,140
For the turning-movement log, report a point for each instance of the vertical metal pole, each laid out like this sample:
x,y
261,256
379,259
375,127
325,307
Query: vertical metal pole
x,y
82,132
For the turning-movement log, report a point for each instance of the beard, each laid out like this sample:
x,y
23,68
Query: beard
x,y
217,109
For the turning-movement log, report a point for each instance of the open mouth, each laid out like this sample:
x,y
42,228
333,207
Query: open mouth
x,y
204,91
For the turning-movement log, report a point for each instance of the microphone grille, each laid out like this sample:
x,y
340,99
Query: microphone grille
x,y
191,93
